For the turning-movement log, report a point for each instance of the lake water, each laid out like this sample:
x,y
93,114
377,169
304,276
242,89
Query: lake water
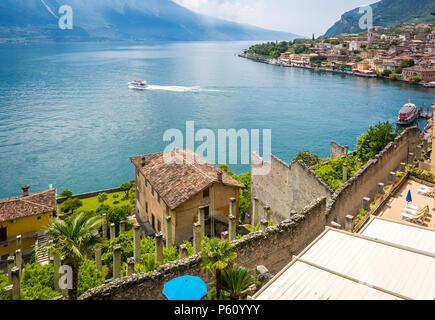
x,y
67,117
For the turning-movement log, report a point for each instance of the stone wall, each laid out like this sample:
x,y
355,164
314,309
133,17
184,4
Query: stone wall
x,y
348,199
89,194
287,188
273,248
338,150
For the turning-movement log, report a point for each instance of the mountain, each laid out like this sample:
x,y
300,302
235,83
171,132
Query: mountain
x,y
386,13
121,20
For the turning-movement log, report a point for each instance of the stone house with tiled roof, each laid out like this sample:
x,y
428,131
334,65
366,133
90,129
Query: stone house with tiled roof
x,y
24,215
426,74
178,188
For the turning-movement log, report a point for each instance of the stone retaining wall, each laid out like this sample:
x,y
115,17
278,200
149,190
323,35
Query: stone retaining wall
x,y
347,199
88,194
273,249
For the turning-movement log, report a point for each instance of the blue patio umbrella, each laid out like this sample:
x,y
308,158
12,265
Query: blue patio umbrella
x,y
408,196
185,288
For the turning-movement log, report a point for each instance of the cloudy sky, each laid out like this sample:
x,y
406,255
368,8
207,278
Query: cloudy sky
x,y
303,17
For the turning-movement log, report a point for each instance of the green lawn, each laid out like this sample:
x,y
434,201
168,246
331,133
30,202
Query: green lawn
x,y
92,203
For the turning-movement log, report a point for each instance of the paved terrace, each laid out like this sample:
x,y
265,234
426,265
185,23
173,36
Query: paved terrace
x,y
395,205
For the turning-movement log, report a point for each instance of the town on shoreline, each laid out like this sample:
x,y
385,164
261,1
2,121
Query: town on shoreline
x,y
401,53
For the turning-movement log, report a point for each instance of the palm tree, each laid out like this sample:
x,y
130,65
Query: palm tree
x,y
75,238
237,280
216,255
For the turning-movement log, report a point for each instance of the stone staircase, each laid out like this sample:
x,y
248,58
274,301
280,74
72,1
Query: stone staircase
x,y
41,254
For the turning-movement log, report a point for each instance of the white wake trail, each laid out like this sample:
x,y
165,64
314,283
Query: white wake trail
x,y
178,88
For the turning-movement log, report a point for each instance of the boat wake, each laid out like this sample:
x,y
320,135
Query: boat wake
x,y
179,88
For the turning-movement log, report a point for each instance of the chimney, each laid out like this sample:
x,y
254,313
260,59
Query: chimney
x,y
219,176
25,190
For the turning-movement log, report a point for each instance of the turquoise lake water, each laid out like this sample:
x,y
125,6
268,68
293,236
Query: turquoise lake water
x,y
67,117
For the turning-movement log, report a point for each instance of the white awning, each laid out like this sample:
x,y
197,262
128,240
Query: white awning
x,y
342,265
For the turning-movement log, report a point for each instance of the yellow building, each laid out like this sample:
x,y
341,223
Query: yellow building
x,y
362,65
178,189
24,215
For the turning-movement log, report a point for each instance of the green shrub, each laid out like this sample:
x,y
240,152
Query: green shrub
x,y
332,171
310,159
115,196
375,139
102,197
66,193
38,282
419,173
89,276
3,285
414,79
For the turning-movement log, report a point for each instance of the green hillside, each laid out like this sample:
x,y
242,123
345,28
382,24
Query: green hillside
x,y
387,13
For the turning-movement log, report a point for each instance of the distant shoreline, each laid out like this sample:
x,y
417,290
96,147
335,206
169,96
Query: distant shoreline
x,y
276,62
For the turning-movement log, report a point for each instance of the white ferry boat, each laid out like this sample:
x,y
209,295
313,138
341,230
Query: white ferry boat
x,y
138,84
408,114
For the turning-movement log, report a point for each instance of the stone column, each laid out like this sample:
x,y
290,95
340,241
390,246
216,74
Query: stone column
x,y
11,265
130,266
112,231
266,214
232,227
16,283
183,251
201,219
402,166
425,145
263,224
410,158
56,275
380,188
392,177
159,247
168,232
196,237
121,227
18,259
116,261
418,152
136,243
224,235
255,213
366,203
104,226
19,242
344,172
348,223
98,261
233,207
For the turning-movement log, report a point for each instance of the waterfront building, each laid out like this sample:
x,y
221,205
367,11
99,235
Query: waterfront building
x,y
178,189
426,74
24,215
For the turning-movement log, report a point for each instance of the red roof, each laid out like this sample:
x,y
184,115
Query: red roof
x,y
22,206
177,183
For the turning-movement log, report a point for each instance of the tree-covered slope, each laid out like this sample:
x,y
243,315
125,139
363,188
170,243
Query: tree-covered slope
x,y
386,13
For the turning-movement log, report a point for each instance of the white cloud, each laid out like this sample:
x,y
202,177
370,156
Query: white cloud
x,y
301,17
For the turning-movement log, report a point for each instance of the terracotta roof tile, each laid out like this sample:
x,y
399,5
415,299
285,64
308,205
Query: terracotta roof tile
x,y
23,206
178,182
